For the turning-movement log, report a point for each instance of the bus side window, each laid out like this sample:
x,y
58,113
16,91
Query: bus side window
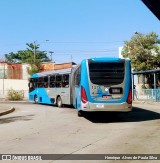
x,y
77,76
46,81
52,82
40,82
65,81
32,83
59,81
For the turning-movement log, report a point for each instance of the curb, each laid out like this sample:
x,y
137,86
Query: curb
x,y
12,109
147,102
15,102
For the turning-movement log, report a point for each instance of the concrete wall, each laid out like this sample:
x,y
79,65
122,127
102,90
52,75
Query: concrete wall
x,y
25,74
3,70
14,84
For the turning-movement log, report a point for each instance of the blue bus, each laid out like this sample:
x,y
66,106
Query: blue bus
x,y
52,87
97,84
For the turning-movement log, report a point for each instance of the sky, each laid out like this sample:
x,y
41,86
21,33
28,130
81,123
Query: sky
x,y
73,29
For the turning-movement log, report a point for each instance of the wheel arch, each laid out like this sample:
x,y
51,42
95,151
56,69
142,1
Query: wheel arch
x,y
59,101
36,96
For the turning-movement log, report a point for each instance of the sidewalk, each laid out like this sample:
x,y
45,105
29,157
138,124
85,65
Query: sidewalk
x,y
6,110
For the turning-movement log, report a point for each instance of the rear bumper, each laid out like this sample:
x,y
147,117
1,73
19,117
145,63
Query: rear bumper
x,y
120,107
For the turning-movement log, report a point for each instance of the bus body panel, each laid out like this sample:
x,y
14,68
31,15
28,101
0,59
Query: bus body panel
x,y
112,107
49,95
96,102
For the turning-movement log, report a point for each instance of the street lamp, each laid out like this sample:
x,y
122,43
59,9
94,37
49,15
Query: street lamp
x,y
4,62
138,34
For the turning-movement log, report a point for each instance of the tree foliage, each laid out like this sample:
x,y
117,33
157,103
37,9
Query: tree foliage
x,y
27,56
143,50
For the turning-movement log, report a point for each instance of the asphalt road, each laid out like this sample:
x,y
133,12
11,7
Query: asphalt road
x,y
43,129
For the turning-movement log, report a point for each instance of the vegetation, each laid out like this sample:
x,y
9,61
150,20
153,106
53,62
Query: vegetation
x,y
143,50
15,95
31,55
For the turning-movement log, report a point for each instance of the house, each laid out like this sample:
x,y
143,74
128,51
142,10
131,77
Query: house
x,y
48,66
19,71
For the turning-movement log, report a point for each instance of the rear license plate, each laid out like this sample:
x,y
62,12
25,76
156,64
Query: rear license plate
x,y
106,96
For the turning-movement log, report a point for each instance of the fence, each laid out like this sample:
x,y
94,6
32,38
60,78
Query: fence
x,y
147,94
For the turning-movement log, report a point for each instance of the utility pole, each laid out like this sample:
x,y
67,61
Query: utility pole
x,y
34,44
34,49
3,75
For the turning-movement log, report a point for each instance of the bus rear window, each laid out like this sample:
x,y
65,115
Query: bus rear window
x,y
104,73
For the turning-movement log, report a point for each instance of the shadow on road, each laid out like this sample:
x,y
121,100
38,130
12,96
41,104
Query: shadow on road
x,y
137,115
16,118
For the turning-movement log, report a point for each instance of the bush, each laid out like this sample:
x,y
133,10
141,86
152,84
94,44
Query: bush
x,y
15,95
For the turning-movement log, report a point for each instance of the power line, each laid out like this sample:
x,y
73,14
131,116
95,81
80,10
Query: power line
x,y
65,42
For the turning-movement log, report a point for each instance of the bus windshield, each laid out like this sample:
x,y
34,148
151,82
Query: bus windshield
x,y
106,73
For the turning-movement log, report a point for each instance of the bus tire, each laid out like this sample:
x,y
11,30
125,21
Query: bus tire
x,y
59,102
80,113
35,99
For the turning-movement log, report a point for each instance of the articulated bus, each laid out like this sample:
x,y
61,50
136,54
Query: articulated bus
x,y
52,87
97,84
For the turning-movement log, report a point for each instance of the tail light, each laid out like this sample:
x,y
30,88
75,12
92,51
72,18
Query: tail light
x,y
83,95
129,99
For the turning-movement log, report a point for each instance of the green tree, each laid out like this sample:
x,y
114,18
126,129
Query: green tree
x,y
31,55
143,50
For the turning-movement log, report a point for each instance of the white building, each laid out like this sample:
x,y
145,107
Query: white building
x,y
120,52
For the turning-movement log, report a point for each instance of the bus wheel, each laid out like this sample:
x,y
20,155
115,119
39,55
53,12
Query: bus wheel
x,y
80,113
59,102
35,99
